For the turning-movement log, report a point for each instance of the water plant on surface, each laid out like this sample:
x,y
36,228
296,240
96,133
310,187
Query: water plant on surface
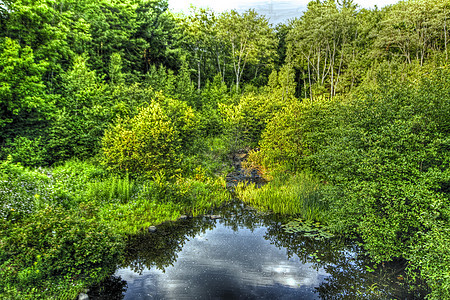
x,y
308,228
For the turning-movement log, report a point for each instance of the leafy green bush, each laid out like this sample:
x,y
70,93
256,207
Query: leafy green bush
x,y
24,191
245,121
54,245
296,132
29,152
432,257
183,118
145,144
384,152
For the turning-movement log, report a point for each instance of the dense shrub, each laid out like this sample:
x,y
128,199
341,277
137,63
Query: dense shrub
x,y
432,257
145,144
29,152
54,245
296,132
385,152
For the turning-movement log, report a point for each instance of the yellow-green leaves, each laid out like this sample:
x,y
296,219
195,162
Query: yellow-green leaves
x,y
144,144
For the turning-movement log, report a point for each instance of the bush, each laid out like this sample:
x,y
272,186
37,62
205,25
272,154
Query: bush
x,y
29,152
432,257
143,145
297,132
53,245
24,191
385,153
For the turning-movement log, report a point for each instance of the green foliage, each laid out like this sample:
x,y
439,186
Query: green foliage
x,y
209,157
21,88
115,70
26,151
62,228
183,118
385,154
23,191
82,115
250,39
111,189
432,257
213,94
381,153
247,120
53,245
296,132
143,145
160,200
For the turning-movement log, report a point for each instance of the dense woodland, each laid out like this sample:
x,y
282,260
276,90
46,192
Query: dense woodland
x,y
119,114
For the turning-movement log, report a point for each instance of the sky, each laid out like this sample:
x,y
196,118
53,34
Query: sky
x,y
276,10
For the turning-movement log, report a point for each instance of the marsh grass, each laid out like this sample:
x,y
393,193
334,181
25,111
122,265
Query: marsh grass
x,y
155,202
112,189
299,194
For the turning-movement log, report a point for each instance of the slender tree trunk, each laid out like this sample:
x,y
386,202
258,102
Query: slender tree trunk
x,y
309,79
199,75
445,34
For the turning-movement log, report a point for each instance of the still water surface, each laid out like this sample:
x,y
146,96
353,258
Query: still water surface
x,y
222,263
248,255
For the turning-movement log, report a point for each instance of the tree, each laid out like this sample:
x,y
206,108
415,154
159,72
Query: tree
x,y
161,33
21,88
320,41
414,30
145,144
199,37
250,37
45,29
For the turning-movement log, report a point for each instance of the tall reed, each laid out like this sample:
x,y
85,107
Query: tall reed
x,y
299,194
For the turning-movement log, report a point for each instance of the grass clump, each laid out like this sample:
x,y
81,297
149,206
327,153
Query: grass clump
x,y
298,194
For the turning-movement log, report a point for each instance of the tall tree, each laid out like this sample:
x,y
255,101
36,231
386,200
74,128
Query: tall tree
x,y
199,38
319,42
22,92
250,37
159,28
46,29
413,30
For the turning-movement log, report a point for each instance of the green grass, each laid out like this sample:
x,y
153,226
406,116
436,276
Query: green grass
x,y
155,202
299,194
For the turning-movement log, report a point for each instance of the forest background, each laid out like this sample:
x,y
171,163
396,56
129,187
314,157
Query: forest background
x,y
117,115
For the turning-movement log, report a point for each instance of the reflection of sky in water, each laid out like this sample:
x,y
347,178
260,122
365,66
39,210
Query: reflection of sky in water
x,y
223,264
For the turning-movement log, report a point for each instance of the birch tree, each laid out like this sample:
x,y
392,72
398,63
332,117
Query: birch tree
x,y
250,38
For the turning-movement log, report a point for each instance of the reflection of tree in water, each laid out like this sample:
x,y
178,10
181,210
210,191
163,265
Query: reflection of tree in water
x,y
352,275
160,249
113,288
147,250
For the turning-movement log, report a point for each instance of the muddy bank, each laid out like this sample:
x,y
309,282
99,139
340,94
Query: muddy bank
x,y
241,174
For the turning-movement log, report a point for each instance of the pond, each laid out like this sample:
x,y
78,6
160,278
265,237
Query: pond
x,y
246,254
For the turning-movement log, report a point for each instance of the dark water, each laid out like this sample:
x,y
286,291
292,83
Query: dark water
x,y
248,255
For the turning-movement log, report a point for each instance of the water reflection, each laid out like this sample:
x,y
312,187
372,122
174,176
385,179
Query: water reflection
x,y
247,255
